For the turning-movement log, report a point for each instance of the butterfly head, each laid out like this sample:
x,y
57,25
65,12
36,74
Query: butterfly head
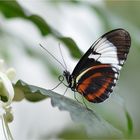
x,y
68,77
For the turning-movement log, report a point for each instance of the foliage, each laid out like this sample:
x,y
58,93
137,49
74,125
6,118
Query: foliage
x,y
109,15
11,9
88,117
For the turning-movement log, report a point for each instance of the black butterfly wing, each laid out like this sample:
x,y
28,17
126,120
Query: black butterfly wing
x,y
97,71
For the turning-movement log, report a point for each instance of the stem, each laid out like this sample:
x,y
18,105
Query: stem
x,y
3,126
6,130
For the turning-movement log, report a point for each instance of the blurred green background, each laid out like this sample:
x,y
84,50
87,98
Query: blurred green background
x,y
75,25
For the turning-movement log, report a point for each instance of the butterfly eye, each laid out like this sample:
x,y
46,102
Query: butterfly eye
x,y
66,73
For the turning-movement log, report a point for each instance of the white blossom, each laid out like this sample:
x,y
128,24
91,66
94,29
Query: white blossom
x,y
6,97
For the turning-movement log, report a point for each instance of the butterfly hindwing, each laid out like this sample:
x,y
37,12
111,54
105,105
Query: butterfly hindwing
x,y
97,83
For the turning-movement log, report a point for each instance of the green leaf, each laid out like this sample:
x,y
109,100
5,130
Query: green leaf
x,y
95,125
70,132
71,45
129,123
27,93
41,24
76,133
3,98
11,9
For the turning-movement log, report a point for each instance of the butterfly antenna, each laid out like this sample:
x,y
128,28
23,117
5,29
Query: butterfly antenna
x,y
62,57
52,56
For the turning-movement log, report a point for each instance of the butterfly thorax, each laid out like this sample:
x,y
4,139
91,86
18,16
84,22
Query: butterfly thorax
x,y
70,80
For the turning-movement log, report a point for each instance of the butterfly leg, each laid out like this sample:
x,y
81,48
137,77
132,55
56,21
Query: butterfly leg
x,y
61,79
65,91
56,86
76,98
82,99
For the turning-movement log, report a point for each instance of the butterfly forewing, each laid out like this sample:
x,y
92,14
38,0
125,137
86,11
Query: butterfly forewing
x,y
113,47
96,73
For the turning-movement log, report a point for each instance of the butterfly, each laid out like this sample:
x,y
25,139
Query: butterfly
x,y
97,72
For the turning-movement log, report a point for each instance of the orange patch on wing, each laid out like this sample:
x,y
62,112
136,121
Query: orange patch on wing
x,y
92,96
82,87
